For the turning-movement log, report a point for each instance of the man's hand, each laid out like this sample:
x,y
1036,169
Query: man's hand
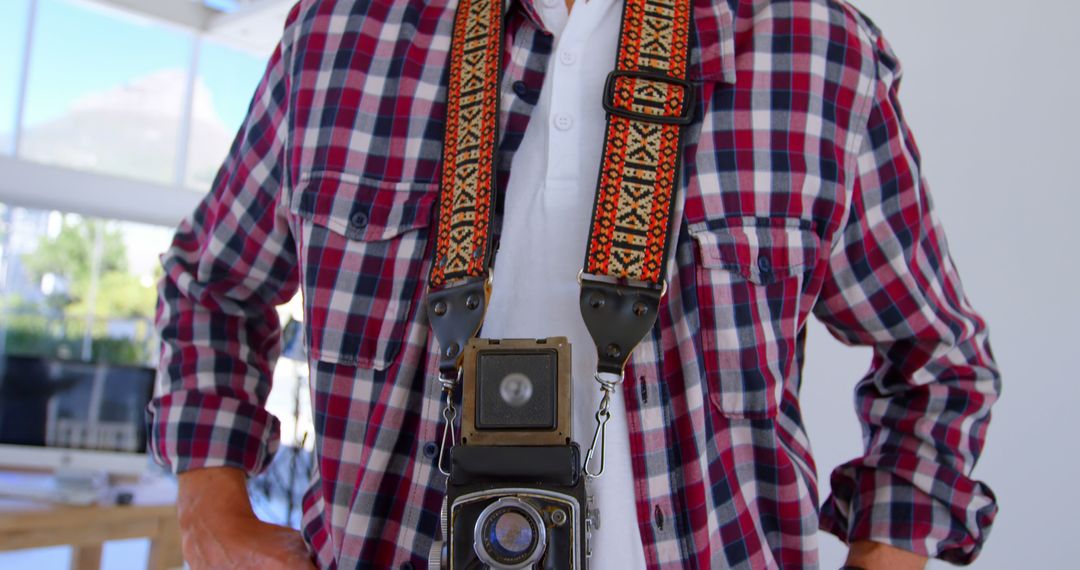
x,y
877,556
220,531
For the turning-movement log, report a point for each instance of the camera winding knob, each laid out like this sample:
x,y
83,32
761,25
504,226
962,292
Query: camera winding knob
x,y
436,558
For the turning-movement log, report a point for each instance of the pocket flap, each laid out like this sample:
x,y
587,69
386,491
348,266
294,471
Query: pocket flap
x,y
762,250
361,208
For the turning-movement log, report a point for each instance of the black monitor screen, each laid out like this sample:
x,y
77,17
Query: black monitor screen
x,y
57,403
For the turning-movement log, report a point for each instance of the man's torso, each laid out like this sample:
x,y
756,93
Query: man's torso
x,y
725,477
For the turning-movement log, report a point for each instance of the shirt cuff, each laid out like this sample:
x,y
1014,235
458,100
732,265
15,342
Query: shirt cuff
x,y
191,430
910,503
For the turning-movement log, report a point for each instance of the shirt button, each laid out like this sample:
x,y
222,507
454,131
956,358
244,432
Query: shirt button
x,y
568,57
764,263
358,220
564,122
520,88
430,449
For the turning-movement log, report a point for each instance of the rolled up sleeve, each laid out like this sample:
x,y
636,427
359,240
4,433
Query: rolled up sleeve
x,y
925,403
229,265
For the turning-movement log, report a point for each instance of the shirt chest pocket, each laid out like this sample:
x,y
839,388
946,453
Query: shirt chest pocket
x,y
361,246
750,280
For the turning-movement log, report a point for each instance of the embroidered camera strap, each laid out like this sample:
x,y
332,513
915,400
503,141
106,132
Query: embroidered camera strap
x,y
648,103
459,283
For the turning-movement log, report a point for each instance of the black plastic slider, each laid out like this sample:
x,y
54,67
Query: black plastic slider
x,y
686,111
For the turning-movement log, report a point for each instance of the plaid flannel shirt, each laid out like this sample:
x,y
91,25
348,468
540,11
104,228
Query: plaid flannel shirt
x,y
801,193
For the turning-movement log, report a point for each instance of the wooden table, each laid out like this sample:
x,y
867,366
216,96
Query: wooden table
x,y
29,524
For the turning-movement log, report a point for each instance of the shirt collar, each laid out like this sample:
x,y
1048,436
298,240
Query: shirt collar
x,y
715,23
529,6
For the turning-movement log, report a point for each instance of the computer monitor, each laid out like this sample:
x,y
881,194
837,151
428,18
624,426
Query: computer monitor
x,y
58,413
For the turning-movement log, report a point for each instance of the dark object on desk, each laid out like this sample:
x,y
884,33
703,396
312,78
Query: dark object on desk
x,y
125,498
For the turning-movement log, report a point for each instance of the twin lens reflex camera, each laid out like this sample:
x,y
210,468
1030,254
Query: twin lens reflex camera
x,y
516,496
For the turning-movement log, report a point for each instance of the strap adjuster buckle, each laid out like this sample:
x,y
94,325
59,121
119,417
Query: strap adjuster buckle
x,y
685,117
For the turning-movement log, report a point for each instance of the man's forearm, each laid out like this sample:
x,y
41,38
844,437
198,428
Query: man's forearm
x,y
221,531
877,556
221,491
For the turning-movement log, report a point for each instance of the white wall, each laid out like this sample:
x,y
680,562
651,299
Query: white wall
x,y
990,91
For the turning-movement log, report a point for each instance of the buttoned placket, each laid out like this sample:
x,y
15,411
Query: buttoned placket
x,y
568,103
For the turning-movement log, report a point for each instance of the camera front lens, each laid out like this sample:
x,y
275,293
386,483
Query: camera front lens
x,y
510,534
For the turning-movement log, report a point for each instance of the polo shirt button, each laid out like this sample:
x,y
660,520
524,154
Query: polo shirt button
x,y
764,264
358,220
520,88
568,57
564,122
430,449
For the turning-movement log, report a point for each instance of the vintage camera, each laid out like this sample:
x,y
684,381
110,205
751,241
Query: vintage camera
x,y
516,495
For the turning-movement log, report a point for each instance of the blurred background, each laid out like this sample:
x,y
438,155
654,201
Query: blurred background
x,y
115,114
114,118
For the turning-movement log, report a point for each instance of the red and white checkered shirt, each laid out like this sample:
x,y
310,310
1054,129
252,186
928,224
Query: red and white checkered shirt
x,y
801,193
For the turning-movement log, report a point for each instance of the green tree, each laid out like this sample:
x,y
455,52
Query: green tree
x,y
70,257
81,250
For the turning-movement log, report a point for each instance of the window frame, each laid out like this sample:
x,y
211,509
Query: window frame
x,y
35,185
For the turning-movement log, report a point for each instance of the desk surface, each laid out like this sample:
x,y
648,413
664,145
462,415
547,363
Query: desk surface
x,y
36,524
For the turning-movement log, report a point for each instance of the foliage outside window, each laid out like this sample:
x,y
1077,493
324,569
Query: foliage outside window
x,y
71,290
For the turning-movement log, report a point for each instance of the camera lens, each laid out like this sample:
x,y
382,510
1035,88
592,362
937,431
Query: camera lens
x,y
509,534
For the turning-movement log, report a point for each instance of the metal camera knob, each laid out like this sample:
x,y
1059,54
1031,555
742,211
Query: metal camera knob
x,y
436,558
442,519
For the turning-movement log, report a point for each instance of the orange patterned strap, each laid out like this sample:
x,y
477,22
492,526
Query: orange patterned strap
x,y
463,246
648,101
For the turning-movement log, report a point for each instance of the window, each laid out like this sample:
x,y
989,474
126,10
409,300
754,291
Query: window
x,y
105,91
79,288
224,85
13,29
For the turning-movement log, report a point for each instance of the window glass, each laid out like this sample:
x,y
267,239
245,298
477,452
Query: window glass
x,y
81,288
223,5
224,85
78,288
105,91
13,23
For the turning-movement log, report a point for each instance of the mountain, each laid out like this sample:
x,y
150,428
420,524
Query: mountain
x,y
132,131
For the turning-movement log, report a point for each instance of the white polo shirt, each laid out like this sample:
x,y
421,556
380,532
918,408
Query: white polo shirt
x,y
546,223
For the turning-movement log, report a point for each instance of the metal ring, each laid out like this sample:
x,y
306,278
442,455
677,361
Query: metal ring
x,y
608,384
525,509
450,383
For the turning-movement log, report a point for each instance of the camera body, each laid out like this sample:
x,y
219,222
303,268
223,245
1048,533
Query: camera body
x,y
516,497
